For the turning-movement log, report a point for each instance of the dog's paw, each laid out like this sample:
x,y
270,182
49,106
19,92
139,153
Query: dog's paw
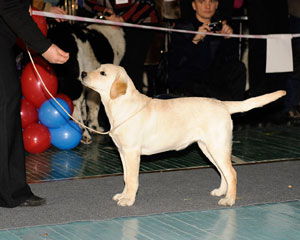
x,y
86,138
123,200
226,202
218,192
126,202
118,196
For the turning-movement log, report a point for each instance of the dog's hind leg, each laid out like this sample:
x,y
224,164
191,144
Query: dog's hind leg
x,y
131,165
223,186
222,159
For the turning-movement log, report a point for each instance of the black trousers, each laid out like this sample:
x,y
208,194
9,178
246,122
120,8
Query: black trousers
x,y
293,82
265,17
13,187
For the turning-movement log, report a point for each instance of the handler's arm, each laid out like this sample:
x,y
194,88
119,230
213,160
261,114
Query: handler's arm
x,y
16,15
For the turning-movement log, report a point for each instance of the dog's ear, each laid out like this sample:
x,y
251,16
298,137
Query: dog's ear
x,y
118,88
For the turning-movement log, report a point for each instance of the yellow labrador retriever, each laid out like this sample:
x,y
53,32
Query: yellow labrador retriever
x,y
142,126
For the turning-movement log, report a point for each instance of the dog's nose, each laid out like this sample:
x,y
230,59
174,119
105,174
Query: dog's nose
x,y
83,75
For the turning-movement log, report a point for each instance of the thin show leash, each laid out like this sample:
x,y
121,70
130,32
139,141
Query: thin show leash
x,y
75,120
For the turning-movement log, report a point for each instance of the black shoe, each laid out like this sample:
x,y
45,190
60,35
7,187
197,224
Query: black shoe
x,y
295,112
33,201
294,116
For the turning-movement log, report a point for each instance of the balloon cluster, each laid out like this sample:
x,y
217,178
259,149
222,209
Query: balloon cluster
x,y
44,122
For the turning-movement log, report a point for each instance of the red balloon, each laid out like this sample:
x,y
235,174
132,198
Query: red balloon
x,y
32,87
29,113
42,25
67,99
36,138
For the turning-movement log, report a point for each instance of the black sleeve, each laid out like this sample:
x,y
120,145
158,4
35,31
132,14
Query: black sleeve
x,y
16,15
182,50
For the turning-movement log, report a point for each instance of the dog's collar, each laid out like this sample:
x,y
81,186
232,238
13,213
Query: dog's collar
x,y
131,116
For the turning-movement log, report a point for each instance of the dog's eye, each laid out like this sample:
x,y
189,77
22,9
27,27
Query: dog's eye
x,y
103,73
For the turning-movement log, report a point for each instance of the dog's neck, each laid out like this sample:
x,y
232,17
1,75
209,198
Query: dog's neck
x,y
115,111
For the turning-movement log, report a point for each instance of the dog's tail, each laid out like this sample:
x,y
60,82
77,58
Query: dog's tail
x,y
255,102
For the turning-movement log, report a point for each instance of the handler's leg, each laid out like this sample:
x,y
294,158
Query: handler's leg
x,y
13,187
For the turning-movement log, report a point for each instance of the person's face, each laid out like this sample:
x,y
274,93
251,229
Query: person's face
x,y
205,9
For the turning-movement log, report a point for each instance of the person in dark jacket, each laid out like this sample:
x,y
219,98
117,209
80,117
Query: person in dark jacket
x,y
204,65
15,20
292,99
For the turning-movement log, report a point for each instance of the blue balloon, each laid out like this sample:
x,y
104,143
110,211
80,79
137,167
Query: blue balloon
x,y
67,136
52,115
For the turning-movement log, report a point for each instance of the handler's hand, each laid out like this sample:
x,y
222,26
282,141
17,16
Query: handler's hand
x,y
55,55
58,10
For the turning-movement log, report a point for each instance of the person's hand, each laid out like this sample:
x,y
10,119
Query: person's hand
x,y
226,29
112,16
57,10
200,37
55,55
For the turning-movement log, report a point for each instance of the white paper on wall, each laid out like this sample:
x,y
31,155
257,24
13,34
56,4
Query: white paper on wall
x,y
121,1
279,53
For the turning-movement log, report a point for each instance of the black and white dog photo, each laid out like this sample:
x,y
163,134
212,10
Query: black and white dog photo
x,y
89,46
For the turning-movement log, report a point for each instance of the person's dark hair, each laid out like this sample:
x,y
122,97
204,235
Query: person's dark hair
x,y
186,9
224,11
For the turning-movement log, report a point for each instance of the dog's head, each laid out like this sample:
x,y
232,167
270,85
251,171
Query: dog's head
x,y
109,80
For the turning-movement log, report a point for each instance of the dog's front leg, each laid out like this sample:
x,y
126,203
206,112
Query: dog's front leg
x,y
80,114
131,165
119,196
93,103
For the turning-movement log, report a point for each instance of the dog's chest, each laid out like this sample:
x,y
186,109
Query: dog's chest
x,y
116,140
149,144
